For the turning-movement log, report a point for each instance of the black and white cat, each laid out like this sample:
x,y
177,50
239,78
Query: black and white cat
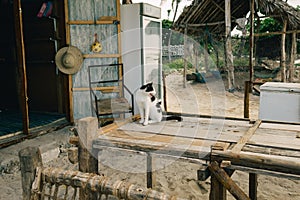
x,y
149,106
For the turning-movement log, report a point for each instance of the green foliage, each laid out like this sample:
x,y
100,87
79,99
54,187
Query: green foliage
x,y
268,25
177,64
241,61
166,24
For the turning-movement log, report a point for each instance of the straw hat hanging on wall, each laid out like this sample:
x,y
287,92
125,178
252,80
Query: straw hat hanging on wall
x,y
69,60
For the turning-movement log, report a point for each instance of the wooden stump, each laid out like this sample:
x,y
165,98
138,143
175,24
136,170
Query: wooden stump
x,y
30,159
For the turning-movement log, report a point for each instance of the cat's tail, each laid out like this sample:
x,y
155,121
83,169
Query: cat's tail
x,y
172,117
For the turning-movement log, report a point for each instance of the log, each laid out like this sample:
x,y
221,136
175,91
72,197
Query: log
x,y
227,182
30,159
282,164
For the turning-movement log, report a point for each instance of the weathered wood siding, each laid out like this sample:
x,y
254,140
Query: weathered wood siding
x,y
82,36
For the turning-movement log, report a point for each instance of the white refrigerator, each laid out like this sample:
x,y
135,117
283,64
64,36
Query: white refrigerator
x,y
141,35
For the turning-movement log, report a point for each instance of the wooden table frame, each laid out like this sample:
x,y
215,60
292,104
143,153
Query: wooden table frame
x,y
224,157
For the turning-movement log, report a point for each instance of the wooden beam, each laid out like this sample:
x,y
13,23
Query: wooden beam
x,y
99,55
276,33
218,6
241,143
218,174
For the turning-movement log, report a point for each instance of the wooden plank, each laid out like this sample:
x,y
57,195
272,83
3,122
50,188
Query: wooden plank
x,y
106,20
81,22
276,141
241,143
222,177
165,145
99,55
103,89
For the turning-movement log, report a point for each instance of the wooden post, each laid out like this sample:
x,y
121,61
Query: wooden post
x,y
217,190
185,56
247,99
220,178
30,159
87,156
150,172
228,47
253,186
22,78
251,38
283,53
206,53
293,56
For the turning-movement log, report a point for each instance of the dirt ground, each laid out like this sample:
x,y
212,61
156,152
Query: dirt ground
x,y
177,177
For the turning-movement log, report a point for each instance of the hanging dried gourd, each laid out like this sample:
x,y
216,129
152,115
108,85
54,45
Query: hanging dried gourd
x,y
96,46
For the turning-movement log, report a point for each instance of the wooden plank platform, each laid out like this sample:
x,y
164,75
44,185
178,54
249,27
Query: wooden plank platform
x,y
266,147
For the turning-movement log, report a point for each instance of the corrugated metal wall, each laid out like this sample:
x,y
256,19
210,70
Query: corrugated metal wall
x,y
82,36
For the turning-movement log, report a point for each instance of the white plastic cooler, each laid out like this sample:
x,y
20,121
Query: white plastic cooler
x,y
280,102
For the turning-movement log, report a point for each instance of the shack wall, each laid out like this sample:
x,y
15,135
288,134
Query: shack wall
x,y
82,32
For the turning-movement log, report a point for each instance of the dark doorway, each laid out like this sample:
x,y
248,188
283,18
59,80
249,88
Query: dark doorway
x,y
46,90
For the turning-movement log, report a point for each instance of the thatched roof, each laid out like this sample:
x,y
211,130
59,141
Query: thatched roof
x,y
209,15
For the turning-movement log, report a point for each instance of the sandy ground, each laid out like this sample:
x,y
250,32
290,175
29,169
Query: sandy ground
x,y
173,176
